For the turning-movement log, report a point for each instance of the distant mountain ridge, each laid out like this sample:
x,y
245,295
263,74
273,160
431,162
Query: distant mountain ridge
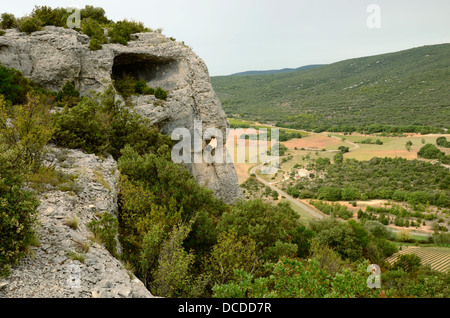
x,y
284,70
405,91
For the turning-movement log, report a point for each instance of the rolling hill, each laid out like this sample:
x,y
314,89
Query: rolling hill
x,y
284,70
397,92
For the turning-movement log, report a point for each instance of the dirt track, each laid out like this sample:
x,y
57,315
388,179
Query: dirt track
x,y
287,196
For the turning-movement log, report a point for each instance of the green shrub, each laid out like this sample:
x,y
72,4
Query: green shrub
x,y
94,13
102,125
121,31
81,127
68,95
26,129
14,86
142,88
160,93
442,142
18,212
29,25
262,222
95,44
106,229
8,21
430,151
93,29
407,262
126,86
329,194
48,16
387,247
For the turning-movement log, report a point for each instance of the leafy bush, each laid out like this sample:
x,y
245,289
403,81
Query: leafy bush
x,y
18,211
232,253
14,86
157,196
430,151
48,16
8,21
442,142
407,262
29,25
26,129
93,29
94,13
293,278
128,86
264,223
338,157
160,93
102,125
95,44
68,95
333,209
106,229
329,194
174,276
142,88
348,239
121,31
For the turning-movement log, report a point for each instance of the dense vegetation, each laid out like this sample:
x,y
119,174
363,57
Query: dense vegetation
x,y
398,179
393,93
93,23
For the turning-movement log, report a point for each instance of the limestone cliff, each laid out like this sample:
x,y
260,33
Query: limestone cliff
x,y
56,55
68,261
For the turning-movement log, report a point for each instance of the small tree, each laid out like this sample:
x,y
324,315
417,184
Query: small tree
x,y
174,277
68,95
160,93
232,253
8,21
18,211
408,145
408,262
27,130
338,158
29,25
404,235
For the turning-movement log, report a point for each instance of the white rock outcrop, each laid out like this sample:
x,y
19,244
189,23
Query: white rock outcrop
x,y
56,55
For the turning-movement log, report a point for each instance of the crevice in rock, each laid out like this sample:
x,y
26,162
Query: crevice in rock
x,y
143,67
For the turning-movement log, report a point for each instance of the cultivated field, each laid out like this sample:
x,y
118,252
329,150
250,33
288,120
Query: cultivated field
x,y
437,257
330,142
314,142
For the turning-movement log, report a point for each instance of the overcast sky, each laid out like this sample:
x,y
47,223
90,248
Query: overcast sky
x,y
240,35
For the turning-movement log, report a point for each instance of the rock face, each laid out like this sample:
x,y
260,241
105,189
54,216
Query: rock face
x,y
52,271
56,55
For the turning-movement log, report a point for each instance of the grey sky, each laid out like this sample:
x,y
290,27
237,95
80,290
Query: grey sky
x,y
240,35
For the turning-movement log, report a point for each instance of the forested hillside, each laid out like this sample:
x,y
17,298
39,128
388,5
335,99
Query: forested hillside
x,y
395,92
